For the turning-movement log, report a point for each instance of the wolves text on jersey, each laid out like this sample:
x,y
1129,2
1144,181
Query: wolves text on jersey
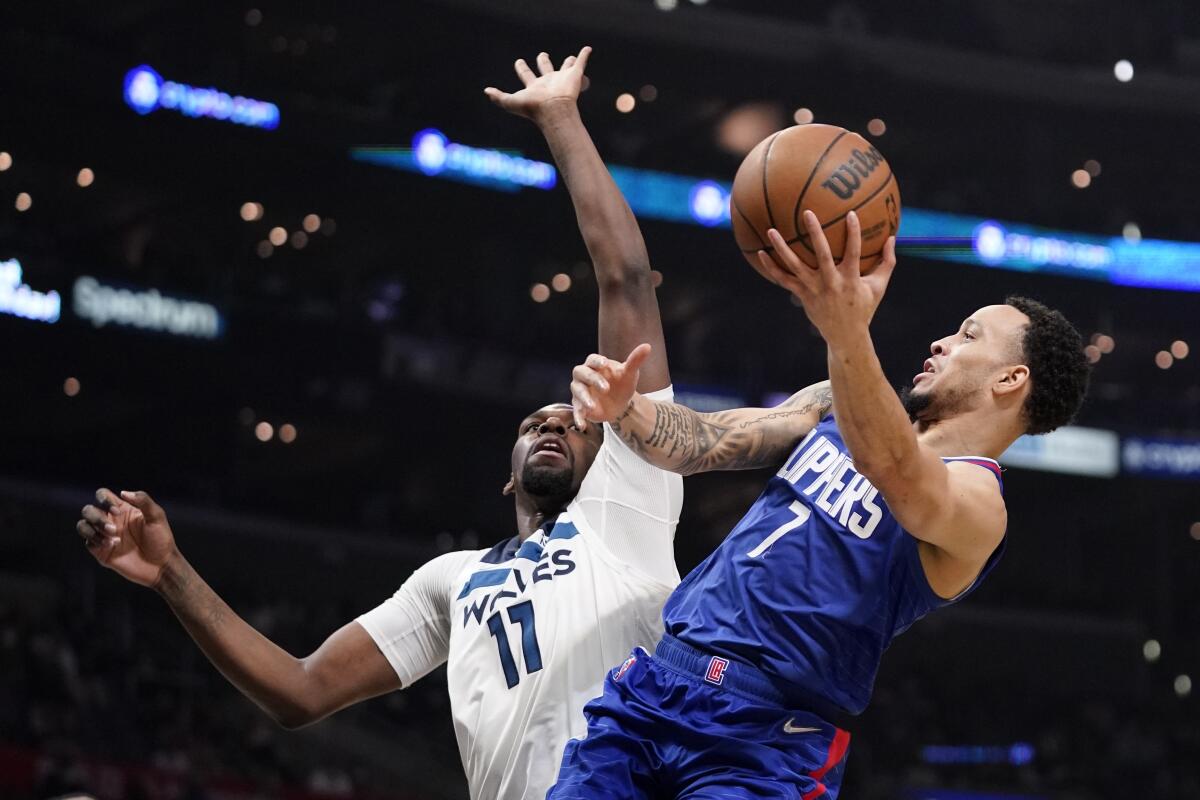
x,y
821,471
550,565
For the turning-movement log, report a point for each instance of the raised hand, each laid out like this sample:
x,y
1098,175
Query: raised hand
x,y
129,535
545,91
836,297
601,388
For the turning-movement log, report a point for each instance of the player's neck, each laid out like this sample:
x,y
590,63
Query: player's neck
x,y
532,514
976,433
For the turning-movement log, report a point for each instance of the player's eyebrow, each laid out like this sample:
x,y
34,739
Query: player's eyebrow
x,y
971,322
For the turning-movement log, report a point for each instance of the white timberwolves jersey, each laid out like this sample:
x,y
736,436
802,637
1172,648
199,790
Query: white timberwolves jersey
x,y
529,630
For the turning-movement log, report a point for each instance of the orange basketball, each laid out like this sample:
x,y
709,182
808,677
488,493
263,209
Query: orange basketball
x,y
823,168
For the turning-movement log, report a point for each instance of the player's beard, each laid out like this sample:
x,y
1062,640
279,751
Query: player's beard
x,y
547,482
934,405
913,403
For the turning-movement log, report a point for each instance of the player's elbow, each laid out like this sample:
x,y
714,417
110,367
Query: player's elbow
x,y
624,275
294,716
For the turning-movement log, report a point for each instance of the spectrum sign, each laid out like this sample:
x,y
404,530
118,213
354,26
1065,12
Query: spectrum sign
x,y
146,309
18,300
145,91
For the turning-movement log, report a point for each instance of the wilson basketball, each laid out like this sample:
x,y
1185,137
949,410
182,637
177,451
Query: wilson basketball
x,y
823,168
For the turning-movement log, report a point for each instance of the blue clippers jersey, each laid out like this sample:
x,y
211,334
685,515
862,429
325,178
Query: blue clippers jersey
x,y
813,583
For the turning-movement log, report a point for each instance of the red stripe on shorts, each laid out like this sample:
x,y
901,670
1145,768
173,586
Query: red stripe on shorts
x,y
837,751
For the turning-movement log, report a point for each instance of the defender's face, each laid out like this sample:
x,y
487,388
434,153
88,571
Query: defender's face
x,y
551,456
962,366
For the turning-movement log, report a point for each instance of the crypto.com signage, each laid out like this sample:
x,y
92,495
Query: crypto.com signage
x,y
146,90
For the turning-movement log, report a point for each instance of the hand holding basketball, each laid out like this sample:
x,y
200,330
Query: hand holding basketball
x,y
543,93
602,388
837,297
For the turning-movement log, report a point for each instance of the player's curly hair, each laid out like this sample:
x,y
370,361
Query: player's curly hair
x,y
1058,369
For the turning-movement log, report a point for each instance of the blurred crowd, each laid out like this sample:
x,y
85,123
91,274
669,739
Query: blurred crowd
x,y
113,699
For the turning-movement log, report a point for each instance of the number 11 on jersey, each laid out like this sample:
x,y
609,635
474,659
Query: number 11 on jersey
x,y
522,614
802,513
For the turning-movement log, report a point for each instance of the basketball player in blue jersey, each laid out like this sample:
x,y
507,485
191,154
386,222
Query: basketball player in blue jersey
x,y
527,628
881,511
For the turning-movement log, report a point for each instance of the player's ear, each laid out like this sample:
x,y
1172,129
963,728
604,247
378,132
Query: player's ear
x,y
511,486
1013,379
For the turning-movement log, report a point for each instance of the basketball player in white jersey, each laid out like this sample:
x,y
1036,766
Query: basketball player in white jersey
x,y
527,628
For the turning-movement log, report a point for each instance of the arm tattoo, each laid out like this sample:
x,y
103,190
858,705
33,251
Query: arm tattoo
x,y
688,442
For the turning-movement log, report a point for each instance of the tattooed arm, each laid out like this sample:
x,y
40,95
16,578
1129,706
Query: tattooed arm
x,y
678,439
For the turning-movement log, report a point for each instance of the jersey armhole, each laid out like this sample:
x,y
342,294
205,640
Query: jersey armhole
x,y
989,464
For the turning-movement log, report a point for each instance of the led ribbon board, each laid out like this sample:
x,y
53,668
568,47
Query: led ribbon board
x,y
147,309
146,90
937,235
435,155
18,300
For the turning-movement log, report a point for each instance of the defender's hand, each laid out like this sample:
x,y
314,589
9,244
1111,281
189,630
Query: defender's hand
x,y
129,535
545,92
836,297
602,388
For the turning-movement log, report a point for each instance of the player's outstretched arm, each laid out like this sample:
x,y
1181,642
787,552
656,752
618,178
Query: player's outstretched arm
x,y
628,306
130,535
957,507
676,438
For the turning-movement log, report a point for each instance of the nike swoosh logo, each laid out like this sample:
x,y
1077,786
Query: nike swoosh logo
x,y
788,727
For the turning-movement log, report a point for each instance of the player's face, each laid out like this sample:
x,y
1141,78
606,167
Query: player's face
x,y
962,367
551,455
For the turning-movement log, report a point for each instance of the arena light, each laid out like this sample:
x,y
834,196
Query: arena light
x,y
433,154
1018,754
1071,450
18,300
1161,457
145,309
1123,70
709,203
146,91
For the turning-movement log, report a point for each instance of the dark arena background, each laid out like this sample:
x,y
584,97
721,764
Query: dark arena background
x,y
286,268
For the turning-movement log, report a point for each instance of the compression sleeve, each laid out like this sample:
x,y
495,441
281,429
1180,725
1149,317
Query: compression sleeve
x,y
412,627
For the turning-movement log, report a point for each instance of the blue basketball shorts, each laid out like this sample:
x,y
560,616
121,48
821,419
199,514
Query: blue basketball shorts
x,y
685,724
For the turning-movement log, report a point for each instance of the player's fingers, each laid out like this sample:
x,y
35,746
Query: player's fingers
x,y
783,278
820,244
545,65
589,376
881,276
495,95
580,395
782,253
524,72
853,249
144,503
596,361
86,532
584,53
568,62
759,265
787,265
98,519
638,357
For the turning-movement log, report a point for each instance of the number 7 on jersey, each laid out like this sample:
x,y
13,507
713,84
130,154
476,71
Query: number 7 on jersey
x,y
802,513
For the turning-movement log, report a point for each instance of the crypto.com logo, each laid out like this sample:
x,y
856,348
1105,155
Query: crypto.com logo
x,y
145,91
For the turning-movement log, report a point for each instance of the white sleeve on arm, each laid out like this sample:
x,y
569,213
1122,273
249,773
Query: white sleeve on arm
x,y
633,506
412,627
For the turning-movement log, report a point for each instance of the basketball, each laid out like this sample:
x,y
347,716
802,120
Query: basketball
x,y
823,168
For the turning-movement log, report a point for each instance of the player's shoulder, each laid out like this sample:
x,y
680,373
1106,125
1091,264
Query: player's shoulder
x,y
984,475
450,567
